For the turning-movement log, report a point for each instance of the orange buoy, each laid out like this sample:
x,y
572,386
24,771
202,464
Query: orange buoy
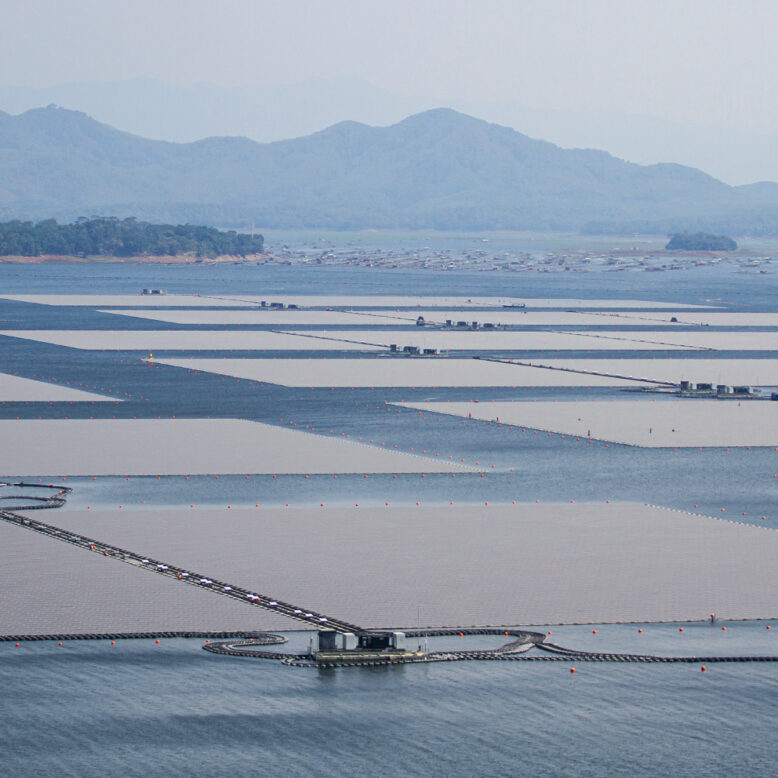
x,y
640,629
703,668
680,629
157,641
113,642
572,670
60,643
594,632
724,629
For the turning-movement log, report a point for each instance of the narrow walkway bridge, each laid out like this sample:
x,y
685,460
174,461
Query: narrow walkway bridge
x,y
252,644
578,371
56,499
514,651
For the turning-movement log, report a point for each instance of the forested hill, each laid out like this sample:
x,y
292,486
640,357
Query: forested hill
x,y
439,169
121,238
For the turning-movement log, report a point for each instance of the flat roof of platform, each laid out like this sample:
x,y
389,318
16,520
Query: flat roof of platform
x,y
52,587
64,447
432,372
18,389
199,340
656,424
399,566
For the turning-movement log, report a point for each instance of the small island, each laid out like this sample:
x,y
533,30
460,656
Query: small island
x,y
126,238
700,241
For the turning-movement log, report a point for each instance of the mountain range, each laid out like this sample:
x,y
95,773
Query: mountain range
x,y
439,169
739,153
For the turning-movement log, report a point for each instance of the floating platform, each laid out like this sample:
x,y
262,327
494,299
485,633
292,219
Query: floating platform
x,y
363,658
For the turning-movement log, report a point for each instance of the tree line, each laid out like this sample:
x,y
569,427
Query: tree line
x,y
114,237
700,241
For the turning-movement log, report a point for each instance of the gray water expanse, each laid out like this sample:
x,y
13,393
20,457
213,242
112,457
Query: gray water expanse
x,y
138,708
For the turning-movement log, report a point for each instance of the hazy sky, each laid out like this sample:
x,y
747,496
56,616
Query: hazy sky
x,y
708,60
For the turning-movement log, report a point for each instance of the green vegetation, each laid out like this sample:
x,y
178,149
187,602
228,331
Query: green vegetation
x,y
700,241
121,238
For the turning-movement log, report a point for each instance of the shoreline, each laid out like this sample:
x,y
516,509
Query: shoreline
x,y
56,259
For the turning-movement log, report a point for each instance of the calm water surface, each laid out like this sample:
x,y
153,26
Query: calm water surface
x,y
137,708
92,709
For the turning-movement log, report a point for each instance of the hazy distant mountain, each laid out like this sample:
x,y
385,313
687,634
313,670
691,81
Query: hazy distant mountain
x,y
155,109
438,169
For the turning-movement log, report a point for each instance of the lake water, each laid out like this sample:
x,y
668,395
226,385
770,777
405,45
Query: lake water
x,y
138,708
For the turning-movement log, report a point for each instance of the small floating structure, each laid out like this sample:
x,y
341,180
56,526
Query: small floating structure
x,y
331,648
720,391
411,351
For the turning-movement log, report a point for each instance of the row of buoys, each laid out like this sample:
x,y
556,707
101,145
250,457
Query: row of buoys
x,y
113,642
257,505
743,513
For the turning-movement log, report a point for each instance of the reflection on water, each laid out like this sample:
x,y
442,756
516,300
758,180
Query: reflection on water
x,y
92,709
